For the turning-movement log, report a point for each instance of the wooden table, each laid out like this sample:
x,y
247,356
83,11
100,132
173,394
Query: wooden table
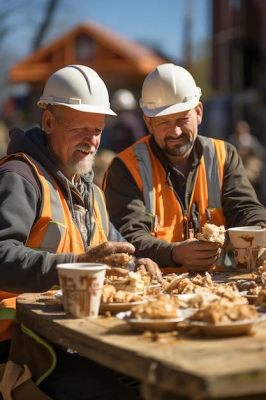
x,y
199,368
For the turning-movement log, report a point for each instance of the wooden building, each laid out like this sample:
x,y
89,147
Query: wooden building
x,y
119,61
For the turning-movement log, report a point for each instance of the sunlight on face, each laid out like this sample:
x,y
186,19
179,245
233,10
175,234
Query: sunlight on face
x,y
82,166
74,140
175,134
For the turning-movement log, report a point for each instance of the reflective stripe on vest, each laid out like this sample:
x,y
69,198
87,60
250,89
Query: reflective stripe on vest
x,y
99,197
212,174
170,221
144,161
55,230
60,224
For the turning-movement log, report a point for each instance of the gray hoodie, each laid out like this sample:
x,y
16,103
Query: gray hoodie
x,y
23,269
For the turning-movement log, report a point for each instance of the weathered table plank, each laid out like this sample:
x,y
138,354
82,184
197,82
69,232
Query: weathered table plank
x,y
200,368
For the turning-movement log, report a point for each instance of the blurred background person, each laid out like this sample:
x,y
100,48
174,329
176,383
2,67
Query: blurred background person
x,y
253,155
128,126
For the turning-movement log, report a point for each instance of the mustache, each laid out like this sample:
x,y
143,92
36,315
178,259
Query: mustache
x,y
180,138
86,148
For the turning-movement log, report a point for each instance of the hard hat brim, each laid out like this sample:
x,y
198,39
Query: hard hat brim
x,y
79,107
172,109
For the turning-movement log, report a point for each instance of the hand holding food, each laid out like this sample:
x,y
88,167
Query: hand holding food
x,y
196,255
146,265
114,254
212,233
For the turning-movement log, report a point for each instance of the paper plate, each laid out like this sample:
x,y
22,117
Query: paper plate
x,y
233,329
159,325
114,308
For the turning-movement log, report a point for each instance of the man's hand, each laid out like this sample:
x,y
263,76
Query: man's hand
x,y
147,265
114,254
196,255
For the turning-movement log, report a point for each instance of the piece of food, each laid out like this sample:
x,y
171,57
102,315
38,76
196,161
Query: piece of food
x,y
183,284
108,293
223,313
119,260
162,307
212,233
111,295
132,282
261,300
262,268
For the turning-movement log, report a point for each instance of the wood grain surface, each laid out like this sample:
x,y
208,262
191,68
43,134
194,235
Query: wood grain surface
x,y
192,366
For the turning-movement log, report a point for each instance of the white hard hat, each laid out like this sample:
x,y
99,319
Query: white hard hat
x,y
169,89
78,87
123,99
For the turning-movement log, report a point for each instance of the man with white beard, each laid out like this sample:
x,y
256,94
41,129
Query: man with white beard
x,y
52,213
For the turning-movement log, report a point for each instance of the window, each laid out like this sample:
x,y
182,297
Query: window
x,y
85,48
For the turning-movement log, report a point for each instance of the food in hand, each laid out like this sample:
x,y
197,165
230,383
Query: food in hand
x,y
119,260
212,233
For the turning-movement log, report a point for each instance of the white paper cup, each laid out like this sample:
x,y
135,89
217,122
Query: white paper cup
x,y
81,285
248,243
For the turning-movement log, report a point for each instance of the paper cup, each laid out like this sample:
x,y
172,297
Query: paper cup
x,y
248,243
81,285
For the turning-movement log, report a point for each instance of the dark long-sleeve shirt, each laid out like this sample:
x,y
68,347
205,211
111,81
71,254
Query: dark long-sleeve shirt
x,y
127,211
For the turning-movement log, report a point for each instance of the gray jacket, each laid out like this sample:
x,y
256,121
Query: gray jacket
x,y
22,268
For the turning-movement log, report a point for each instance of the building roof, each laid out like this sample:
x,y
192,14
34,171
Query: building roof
x,y
91,44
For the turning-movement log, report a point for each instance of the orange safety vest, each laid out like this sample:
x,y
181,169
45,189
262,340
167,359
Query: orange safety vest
x,y
171,221
54,231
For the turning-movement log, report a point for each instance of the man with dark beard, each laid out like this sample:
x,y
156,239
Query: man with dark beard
x,y
164,188
52,213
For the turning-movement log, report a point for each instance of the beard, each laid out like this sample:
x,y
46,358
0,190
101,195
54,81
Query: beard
x,y
178,149
84,166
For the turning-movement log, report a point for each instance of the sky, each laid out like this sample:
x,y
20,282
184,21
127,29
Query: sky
x,y
159,22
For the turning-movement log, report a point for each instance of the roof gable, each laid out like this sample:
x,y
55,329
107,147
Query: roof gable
x,y
89,44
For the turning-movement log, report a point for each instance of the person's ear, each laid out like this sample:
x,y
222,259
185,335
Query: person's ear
x,y
199,111
148,123
48,121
